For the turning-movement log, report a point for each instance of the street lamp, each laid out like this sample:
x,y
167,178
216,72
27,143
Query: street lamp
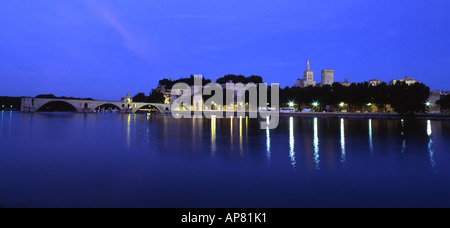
x,y
341,104
291,104
428,104
315,104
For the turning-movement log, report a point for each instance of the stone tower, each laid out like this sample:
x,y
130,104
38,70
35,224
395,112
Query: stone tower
x,y
327,77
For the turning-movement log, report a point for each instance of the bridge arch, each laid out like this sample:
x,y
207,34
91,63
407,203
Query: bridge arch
x,y
68,104
137,107
119,107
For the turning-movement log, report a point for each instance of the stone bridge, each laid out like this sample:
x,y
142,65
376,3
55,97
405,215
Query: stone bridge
x,y
86,106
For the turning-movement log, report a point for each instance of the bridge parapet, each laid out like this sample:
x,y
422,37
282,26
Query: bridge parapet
x,y
87,106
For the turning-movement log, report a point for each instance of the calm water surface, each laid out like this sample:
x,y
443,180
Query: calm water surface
x,y
113,160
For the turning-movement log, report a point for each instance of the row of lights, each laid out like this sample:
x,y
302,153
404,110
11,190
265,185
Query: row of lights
x,y
315,104
4,106
342,104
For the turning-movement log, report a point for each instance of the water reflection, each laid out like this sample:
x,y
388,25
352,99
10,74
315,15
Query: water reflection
x,y
194,129
403,136
1,125
231,132
370,136
246,130
268,153
128,130
213,134
343,152
10,124
240,136
430,145
291,142
147,136
246,126
316,144
171,159
429,130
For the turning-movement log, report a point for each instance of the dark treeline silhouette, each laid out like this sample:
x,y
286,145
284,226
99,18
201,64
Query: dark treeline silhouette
x,y
10,103
444,102
239,79
153,97
157,97
403,98
168,83
52,96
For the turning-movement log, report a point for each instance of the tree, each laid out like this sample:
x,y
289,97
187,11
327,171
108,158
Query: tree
x,y
140,97
239,79
338,93
326,95
380,95
351,96
255,79
10,103
48,96
155,97
168,83
444,102
409,99
51,96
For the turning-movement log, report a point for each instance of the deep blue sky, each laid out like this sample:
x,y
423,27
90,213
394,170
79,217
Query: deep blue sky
x,y
104,49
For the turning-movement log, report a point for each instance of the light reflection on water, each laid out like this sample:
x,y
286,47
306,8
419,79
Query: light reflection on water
x,y
370,136
343,158
430,145
402,121
8,125
158,158
316,144
268,143
240,136
1,125
231,131
213,134
291,142
128,130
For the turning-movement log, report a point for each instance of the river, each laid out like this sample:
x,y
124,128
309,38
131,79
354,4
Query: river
x,y
157,161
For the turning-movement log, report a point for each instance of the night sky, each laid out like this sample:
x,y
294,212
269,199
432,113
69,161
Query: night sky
x,y
105,49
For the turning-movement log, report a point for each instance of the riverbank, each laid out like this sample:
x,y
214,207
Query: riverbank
x,y
343,115
347,115
365,115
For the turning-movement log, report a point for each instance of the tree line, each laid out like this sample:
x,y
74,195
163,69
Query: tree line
x,y
403,98
168,83
153,97
444,102
52,96
10,103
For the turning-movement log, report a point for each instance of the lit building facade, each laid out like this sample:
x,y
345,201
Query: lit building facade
x,y
374,82
127,99
408,80
308,78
